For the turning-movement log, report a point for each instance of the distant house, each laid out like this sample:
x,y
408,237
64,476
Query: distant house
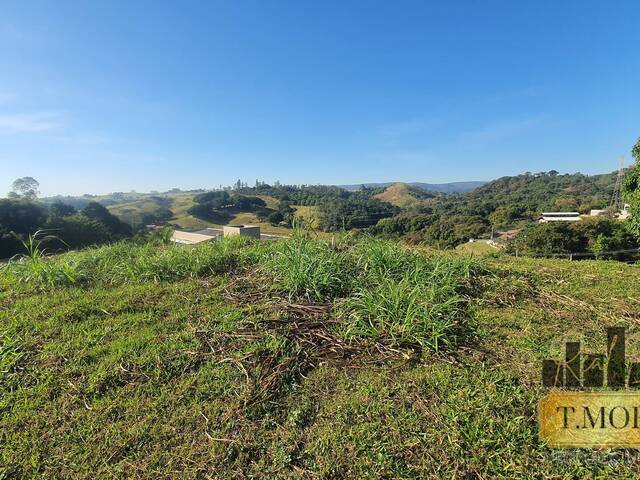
x,y
243,230
597,213
559,217
624,214
191,238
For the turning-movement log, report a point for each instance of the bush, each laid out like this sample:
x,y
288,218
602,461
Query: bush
x,y
587,235
275,218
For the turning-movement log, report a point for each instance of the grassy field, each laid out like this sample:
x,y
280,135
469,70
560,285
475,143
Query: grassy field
x,y
477,248
402,195
295,359
179,204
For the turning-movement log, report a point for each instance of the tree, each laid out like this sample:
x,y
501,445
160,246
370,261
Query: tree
x,y
631,191
275,218
505,216
99,213
566,204
549,238
59,209
593,234
26,187
77,231
21,216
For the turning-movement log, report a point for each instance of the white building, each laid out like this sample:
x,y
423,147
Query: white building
x,y
244,230
624,214
596,213
191,238
559,217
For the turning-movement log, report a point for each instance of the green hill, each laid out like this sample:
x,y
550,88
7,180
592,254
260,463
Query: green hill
x,y
403,195
294,359
144,211
543,191
173,208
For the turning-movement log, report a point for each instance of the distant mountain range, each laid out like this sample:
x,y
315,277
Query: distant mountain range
x,y
452,187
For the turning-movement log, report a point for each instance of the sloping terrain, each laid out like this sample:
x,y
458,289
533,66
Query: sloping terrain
x,y
452,187
543,191
144,211
294,359
403,195
174,208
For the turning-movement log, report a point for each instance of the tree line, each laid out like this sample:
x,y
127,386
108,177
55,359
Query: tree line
x,y
21,214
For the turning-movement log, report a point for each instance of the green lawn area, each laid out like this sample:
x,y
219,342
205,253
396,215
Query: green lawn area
x,y
477,248
295,359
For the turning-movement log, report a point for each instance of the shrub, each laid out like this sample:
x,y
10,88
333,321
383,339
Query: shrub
x,y
275,218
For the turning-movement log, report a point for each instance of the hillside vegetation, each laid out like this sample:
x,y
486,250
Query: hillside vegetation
x,y
398,211
452,187
294,359
176,210
545,191
508,202
403,195
144,211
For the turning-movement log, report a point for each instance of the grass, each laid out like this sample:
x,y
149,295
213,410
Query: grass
x,y
310,270
133,213
308,214
246,360
123,263
408,297
479,247
402,195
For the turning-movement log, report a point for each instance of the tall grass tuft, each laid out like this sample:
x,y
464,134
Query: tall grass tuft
x,y
125,263
36,267
406,297
309,269
380,290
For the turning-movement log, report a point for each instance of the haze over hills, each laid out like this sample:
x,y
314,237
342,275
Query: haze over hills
x,y
451,187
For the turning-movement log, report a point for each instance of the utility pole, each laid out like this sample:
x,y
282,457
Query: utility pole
x,y
616,198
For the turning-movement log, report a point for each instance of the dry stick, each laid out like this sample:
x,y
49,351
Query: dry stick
x,y
573,302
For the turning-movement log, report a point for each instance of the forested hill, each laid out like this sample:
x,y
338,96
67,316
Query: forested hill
x,y
508,202
541,191
452,187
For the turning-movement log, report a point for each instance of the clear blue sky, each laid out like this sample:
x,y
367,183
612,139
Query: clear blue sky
x,y
100,96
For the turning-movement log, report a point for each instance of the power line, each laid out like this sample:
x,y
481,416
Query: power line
x,y
616,197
